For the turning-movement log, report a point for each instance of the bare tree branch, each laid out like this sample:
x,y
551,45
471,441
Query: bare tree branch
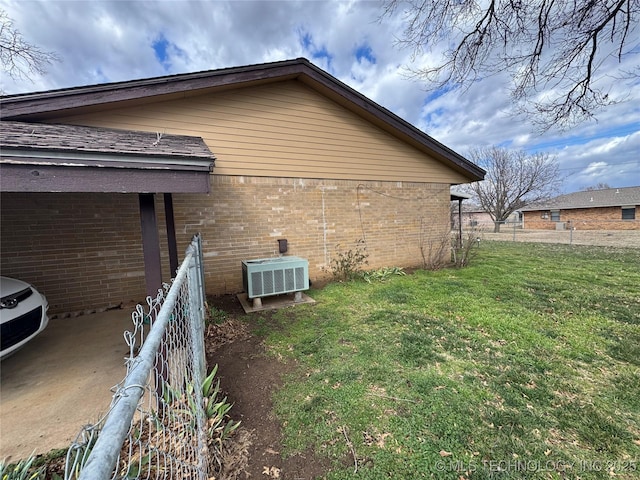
x,y
20,59
513,179
556,46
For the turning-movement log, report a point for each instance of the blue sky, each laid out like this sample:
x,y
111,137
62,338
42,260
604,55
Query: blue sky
x,y
107,41
161,46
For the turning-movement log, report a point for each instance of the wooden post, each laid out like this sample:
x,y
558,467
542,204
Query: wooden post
x,y
150,244
171,234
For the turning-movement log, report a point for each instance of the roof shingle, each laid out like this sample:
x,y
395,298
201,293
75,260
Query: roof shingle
x,y
74,138
609,197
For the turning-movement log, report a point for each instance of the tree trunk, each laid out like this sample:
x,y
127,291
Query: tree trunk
x,y
496,227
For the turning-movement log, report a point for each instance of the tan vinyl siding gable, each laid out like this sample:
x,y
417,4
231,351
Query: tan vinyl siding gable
x,y
282,129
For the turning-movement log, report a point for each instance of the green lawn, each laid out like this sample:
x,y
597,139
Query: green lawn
x,y
524,365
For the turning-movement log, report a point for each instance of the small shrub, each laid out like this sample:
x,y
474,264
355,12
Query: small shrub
x,y
434,252
21,470
433,249
179,419
219,425
462,253
349,264
382,274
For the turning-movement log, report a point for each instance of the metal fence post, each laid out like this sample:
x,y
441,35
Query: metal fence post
x,y
196,323
197,293
200,260
570,232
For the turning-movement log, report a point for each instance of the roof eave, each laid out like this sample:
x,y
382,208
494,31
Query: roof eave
x,y
574,207
16,107
377,113
24,106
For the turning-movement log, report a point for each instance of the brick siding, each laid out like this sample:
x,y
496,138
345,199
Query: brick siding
x,y
603,218
84,250
81,250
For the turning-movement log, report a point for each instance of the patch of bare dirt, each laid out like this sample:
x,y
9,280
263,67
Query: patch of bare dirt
x,y
250,377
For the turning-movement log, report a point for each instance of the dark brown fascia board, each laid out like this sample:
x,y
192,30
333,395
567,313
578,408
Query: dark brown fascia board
x,y
58,178
30,170
22,106
16,107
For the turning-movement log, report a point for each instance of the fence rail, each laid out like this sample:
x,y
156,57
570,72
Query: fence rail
x,y
578,233
156,424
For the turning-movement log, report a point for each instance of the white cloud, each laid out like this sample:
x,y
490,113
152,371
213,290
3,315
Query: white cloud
x,y
106,41
612,160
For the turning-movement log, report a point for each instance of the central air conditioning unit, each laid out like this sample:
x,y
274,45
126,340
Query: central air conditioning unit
x,y
273,276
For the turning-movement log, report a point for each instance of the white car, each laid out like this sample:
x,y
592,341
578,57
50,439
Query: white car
x,y
23,314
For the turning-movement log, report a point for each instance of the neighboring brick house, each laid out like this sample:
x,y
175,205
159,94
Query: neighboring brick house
x,y
607,209
93,177
475,217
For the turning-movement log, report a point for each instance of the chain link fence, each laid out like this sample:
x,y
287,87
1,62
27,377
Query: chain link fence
x,y
156,424
598,233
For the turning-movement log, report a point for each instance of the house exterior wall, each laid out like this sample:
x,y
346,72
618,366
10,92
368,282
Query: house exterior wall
x,y
245,217
602,218
283,129
83,250
290,163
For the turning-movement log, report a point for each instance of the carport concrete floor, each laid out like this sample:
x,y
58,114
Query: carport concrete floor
x,y
60,381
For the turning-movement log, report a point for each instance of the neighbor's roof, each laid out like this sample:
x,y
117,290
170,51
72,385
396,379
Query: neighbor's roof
x,y
42,105
609,197
73,138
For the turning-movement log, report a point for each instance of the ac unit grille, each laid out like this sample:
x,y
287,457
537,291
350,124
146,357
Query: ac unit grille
x,y
264,277
289,282
278,280
256,281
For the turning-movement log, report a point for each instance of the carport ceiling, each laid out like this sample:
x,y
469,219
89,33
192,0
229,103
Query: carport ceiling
x,y
38,157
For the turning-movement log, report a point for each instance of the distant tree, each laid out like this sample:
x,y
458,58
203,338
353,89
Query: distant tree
x,y
597,186
513,180
20,59
554,50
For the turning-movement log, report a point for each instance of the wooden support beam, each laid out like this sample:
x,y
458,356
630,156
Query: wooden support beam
x,y
150,244
171,234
